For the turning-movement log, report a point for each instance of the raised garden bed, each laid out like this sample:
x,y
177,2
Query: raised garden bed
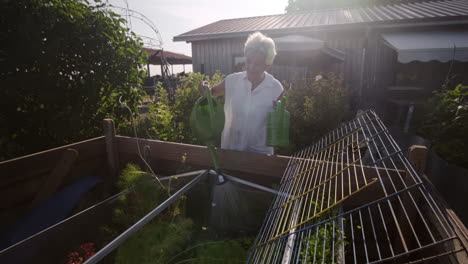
x,y
186,225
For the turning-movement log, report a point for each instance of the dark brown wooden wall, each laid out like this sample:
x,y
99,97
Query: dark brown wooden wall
x,y
166,158
21,179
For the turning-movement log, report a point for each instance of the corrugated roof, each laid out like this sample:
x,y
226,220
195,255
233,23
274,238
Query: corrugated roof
x,y
404,12
171,57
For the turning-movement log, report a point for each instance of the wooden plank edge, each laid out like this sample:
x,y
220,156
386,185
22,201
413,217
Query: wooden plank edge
x,y
198,155
459,227
73,145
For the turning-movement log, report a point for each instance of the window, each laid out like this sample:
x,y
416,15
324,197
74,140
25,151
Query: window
x,y
239,63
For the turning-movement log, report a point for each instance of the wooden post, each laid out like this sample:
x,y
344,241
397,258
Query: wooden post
x,y
417,155
111,150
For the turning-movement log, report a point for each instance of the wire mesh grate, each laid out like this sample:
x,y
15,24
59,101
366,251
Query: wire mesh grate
x,y
354,197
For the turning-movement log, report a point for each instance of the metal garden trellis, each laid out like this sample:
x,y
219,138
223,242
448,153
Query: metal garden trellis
x,y
354,197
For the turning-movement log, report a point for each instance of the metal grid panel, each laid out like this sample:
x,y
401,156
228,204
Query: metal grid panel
x,y
317,182
390,214
378,232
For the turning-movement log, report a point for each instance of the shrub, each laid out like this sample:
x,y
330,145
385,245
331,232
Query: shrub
x,y
185,97
444,121
158,123
316,106
64,65
170,122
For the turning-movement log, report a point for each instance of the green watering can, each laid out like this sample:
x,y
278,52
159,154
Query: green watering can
x,y
278,126
207,122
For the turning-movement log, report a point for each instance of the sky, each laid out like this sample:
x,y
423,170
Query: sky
x,y
174,17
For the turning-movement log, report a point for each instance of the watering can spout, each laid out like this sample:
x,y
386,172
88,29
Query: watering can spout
x,y
219,177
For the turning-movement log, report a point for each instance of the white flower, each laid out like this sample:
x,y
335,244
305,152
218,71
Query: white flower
x,y
318,77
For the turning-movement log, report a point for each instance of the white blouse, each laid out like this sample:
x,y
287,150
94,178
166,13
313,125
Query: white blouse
x,y
246,112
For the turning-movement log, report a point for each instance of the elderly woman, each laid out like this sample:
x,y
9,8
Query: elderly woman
x,y
249,96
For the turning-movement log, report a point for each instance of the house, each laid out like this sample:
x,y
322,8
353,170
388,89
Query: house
x,y
390,55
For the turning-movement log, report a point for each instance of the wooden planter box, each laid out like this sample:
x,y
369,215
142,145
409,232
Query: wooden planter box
x,y
30,180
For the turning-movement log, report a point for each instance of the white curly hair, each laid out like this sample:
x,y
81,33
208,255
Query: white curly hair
x,y
259,44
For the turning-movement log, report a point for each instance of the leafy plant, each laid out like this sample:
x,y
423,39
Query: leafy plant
x,y
444,121
227,251
156,242
211,251
64,66
315,106
323,239
186,96
165,238
170,122
143,194
158,123
162,237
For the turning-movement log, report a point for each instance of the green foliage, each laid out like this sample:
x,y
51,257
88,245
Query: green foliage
x,y
64,65
317,251
227,251
165,238
212,251
315,107
158,123
186,96
444,121
162,237
156,242
170,122
144,194
323,239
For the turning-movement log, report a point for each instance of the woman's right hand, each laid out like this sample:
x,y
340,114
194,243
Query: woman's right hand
x,y
201,86
217,90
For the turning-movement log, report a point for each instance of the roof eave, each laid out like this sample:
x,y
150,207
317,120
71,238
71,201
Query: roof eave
x,y
455,20
270,32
